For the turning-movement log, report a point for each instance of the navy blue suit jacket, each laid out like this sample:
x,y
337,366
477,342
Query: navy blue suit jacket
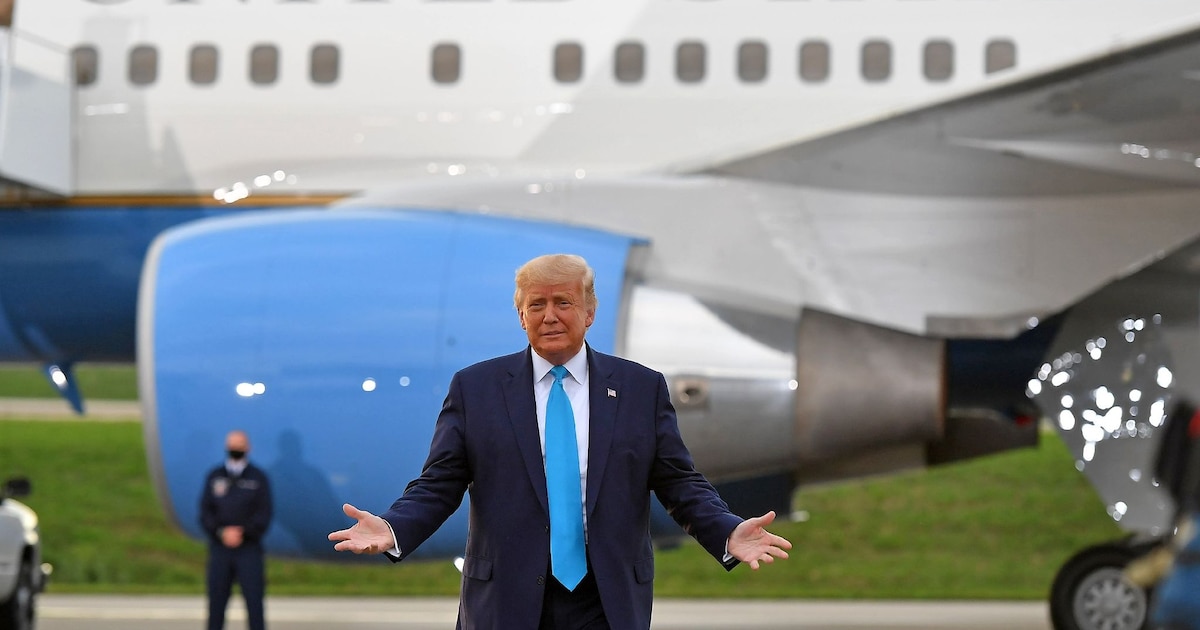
x,y
486,440
244,501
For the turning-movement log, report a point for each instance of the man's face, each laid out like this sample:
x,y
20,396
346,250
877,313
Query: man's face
x,y
556,317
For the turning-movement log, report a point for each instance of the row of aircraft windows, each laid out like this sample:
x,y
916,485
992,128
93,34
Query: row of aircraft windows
x,y
629,62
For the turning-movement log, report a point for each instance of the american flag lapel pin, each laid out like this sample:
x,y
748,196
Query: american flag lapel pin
x,y
612,393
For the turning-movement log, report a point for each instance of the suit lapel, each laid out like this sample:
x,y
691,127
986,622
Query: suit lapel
x,y
603,395
522,413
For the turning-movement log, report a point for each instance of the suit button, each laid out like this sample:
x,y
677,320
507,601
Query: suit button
x,y
541,580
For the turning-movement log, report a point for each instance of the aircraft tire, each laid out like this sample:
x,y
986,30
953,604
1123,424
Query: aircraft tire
x,y
17,612
1091,593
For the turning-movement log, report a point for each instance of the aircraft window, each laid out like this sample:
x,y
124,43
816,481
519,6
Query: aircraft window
x,y
689,62
324,63
1001,54
143,65
629,62
814,61
202,64
752,62
939,60
876,60
446,64
264,64
87,64
568,62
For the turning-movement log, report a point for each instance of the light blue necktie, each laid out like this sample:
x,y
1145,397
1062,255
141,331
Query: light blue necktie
x,y
568,558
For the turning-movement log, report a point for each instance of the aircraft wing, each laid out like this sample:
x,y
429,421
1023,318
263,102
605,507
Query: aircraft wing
x,y
1123,123
965,217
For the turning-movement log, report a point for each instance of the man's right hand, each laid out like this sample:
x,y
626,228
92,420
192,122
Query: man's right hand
x,y
370,534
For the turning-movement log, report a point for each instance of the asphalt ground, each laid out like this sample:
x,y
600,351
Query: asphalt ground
x,y
58,409
112,612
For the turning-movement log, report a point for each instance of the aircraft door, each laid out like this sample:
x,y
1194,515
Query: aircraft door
x,y
36,125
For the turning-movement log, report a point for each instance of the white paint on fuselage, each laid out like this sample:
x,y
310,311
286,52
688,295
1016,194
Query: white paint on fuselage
x,y
385,120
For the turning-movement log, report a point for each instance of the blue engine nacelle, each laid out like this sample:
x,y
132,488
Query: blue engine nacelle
x,y
331,338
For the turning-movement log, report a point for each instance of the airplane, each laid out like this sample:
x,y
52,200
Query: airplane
x,y
857,236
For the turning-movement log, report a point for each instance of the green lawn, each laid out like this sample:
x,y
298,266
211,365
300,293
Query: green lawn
x,y
97,381
993,528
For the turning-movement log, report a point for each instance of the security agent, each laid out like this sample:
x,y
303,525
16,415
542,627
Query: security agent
x,y
235,511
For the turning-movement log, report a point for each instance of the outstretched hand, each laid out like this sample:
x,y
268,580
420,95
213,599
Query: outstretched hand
x,y
750,543
370,534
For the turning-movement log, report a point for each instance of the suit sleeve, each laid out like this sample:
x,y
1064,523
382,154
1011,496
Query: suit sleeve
x,y
688,497
433,496
260,519
208,508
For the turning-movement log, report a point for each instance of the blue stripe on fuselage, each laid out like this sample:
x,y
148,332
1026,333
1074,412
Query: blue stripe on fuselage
x,y
69,278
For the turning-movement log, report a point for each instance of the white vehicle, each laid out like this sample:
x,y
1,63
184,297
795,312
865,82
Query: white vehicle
x,y
22,575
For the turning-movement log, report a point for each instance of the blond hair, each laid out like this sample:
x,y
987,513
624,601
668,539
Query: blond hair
x,y
556,269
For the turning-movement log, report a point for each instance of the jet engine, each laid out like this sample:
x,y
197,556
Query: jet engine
x,y
330,337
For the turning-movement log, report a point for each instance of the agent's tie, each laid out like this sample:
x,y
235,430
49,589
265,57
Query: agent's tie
x,y
568,558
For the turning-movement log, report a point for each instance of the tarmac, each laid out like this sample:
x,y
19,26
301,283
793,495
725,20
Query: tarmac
x,y
111,612
58,409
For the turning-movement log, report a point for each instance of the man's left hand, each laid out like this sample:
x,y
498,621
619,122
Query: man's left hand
x,y
753,544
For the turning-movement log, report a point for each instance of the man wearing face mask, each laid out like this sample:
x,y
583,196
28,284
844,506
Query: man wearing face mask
x,y
235,511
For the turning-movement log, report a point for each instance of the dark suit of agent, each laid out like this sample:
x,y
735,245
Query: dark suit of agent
x,y
235,511
493,437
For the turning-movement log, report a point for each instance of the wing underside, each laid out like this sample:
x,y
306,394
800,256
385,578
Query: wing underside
x,y
1126,122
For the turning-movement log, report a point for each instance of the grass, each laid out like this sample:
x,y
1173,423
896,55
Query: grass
x,y
994,528
103,529
95,381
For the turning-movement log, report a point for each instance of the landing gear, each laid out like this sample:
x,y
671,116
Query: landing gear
x,y
1090,591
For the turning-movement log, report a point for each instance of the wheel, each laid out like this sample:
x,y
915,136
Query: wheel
x,y
17,612
1090,592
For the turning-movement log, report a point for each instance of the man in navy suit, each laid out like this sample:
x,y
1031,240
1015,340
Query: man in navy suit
x,y
493,437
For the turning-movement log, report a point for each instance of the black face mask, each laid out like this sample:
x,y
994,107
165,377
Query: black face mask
x,y
236,455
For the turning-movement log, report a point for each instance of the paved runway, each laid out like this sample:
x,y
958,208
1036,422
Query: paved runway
x,y
58,409
111,612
